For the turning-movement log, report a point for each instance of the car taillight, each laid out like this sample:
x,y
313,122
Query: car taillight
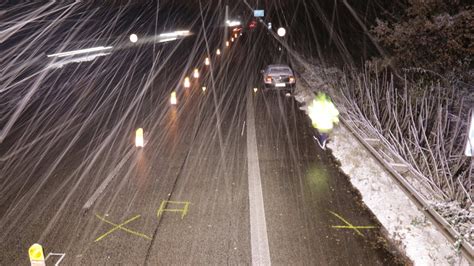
x,y
292,79
268,80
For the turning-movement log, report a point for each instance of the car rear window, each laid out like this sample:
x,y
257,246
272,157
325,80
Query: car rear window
x,y
280,70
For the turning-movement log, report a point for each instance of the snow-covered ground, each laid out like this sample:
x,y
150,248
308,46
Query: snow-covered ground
x,y
406,225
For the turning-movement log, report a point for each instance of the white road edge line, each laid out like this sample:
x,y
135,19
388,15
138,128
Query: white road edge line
x,y
258,226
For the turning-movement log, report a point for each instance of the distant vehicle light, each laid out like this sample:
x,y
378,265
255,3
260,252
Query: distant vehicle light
x,y
173,99
292,79
133,38
233,23
175,34
232,39
255,90
196,73
227,43
139,138
204,89
281,32
82,51
207,61
168,39
268,80
187,83
218,52
183,32
87,58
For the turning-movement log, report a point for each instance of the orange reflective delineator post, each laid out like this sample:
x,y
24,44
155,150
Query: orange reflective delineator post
x,y
36,255
173,99
196,73
139,138
187,83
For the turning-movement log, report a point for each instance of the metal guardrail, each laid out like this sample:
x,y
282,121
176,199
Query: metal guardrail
x,y
439,221
434,216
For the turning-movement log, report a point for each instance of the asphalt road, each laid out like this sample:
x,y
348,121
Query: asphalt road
x,y
184,197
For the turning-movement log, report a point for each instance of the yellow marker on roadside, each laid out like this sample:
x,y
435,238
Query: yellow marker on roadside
x,y
173,99
204,89
255,90
36,255
139,138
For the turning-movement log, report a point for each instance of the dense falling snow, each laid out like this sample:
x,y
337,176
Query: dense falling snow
x,y
175,132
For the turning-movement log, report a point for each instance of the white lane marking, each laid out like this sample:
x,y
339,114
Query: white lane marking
x,y
109,178
258,226
243,127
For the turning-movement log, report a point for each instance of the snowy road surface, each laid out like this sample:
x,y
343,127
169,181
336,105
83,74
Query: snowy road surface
x,y
184,197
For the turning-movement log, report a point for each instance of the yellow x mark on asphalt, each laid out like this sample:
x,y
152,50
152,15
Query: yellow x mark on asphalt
x,y
121,227
349,225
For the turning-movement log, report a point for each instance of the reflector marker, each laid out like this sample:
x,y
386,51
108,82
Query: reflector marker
x,y
36,255
139,138
173,99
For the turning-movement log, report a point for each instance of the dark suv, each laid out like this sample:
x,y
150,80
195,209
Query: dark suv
x,y
279,77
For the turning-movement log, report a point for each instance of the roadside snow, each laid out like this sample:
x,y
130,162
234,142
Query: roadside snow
x,y
406,225
419,238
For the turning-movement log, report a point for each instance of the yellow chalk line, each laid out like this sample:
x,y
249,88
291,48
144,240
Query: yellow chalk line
x,y
349,225
121,226
183,211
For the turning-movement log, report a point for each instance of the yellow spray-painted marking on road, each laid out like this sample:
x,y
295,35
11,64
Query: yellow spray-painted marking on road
x,y
349,225
121,227
183,211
